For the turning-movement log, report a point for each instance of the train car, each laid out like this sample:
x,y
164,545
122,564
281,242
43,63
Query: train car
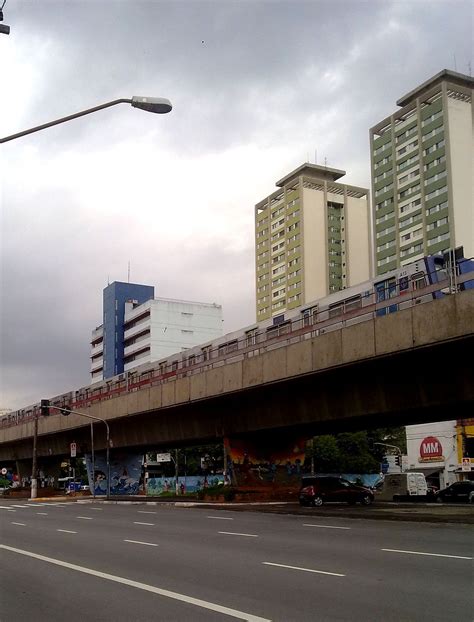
x,y
419,281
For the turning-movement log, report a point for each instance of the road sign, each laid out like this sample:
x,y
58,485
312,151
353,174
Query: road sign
x,y
4,471
466,464
73,450
163,457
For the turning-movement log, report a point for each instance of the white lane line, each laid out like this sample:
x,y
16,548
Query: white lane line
x,y
145,512
138,542
324,526
19,506
42,513
137,523
421,553
220,517
21,524
65,531
85,517
5,507
332,574
96,509
11,510
234,613
232,533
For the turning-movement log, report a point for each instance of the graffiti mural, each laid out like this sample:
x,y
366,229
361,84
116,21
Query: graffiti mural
x,y
125,474
157,486
265,459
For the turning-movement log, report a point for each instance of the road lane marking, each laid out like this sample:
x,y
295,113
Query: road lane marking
x,y
19,506
65,531
11,510
234,613
96,509
21,524
145,512
42,513
324,526
5,507
138,523
232,533
85,517
138,542
220,517
421,553
332,574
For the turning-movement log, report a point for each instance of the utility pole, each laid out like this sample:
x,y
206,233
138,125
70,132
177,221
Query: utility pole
x,y
176,471
34,468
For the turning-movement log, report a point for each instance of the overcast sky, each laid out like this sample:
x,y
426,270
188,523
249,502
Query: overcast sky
x,y
257,89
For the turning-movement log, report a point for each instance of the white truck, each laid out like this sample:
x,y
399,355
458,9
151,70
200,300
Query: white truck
x,y
402,487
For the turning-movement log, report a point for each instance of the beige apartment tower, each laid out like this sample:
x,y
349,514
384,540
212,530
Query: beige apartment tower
x,y
312,238
423,173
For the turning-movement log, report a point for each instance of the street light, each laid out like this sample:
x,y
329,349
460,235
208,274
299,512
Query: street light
x,y
158,105
67,411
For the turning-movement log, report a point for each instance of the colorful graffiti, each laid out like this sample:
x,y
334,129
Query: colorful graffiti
x,y
264,460
157,486
125,474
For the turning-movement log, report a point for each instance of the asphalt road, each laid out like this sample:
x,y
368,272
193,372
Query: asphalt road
x,y
126,562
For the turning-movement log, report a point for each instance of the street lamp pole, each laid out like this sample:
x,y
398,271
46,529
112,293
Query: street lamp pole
x,y
34,468
67,411
159,105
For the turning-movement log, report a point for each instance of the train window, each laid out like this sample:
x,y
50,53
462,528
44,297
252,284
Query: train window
x,y
310,316
403,284
227,348
174,365
353,303
419,280
281,329
206,353
192,359
162,369
251,337
336,309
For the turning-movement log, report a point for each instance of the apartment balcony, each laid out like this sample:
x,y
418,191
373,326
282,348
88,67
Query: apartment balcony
x,y
97,365
137,346
142,327
98,349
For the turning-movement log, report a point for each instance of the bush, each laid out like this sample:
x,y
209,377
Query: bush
x,y
229,494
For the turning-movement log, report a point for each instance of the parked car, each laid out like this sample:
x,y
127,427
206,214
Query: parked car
x,y
318,490
460,492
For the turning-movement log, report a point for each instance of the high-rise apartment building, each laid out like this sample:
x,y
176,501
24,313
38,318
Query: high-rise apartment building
x,y
312,238
138,328
422,173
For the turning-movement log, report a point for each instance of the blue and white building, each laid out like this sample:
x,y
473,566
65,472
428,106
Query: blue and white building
x,y
138,328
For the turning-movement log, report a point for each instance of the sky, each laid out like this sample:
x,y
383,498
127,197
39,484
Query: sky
x,y
257,87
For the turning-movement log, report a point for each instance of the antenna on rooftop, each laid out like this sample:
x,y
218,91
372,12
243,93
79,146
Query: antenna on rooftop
x,y
455,67
315,156
469,67
325,162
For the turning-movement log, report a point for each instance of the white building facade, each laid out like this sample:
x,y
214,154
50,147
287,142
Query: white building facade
x,y
157,329
432,449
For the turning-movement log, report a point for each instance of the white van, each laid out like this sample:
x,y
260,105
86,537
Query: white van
x,y
402,486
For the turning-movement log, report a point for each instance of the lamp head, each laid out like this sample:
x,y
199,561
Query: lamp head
x,y
159,105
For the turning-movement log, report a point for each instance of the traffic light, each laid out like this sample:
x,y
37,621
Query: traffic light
x,y
65,410
45,408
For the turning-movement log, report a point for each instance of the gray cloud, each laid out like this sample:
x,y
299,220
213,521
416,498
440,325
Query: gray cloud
x,y
272,83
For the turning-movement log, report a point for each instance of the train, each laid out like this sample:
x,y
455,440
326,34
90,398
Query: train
x,y
424,280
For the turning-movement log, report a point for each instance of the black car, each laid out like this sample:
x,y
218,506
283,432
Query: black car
x,y
318,490
460,492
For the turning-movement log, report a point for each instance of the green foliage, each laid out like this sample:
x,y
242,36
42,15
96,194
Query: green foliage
x,y
349,452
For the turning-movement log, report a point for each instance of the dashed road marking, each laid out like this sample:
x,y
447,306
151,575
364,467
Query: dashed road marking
x,y
20,524
85,517
324,526
232,533
332,574
422,553
138,542
138,523
66,531
221,517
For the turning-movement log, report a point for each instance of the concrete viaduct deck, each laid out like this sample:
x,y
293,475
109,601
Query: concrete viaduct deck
x,y
412,366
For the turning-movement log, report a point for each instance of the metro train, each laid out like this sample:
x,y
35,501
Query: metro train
x,y
421,281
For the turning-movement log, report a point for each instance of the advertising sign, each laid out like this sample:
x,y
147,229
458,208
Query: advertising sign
x,y
466,464
431,450
73,450
163,457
